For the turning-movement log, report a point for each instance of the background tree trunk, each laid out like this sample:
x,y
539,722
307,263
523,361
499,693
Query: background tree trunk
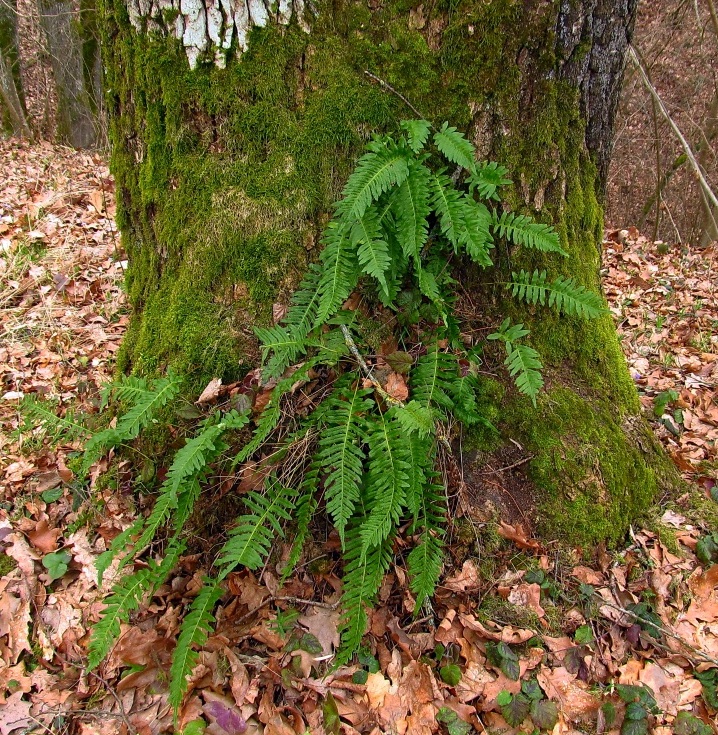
x,y
73,59
13,108
225,177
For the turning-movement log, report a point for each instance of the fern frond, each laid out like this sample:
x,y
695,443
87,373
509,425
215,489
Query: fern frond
x,y
340,453
417,133
448,204
194,631
269,418
454,146
39,413
431,381
383,167
125,598
145,405
474,234
340,271
424,562
463,394
119,543
522,230
372,249
414,417
410,205
283,344
525,366
160,572
562,294
421,464
363,574
252,538
486,178
306,507
387,479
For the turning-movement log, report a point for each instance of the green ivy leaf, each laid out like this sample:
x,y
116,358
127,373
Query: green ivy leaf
x,y
454,724
50,496
517,710
332,722
634,727
504,698
400,362
687,724
707,549
360,677
583,635
451,674
544,714
56,564
532,689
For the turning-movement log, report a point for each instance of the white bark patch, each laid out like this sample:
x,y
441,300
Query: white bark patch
x,y
207,27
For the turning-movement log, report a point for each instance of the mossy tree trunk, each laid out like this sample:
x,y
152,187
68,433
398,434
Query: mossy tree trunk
x,y
230,145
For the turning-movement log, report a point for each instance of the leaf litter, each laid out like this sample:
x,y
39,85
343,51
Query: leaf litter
x,y
548,641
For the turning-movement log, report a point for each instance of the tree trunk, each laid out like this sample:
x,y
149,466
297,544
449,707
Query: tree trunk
x,y
63,28
13,108
230,146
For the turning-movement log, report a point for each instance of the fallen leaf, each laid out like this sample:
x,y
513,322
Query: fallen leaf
x,y
210,392
396,386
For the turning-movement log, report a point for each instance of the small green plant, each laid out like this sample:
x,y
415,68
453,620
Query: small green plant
x,y
531,703
640,703
367,452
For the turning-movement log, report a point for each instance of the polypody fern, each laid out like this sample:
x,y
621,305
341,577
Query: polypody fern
x,y
369,452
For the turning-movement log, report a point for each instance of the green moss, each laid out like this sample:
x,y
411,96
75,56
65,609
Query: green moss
x,y
584,440
7,564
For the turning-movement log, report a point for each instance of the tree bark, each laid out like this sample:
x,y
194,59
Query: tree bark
x,y
230,146
10,81
63,26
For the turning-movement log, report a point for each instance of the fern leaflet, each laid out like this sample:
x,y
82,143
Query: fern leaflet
x,y
340,271
524,231
454,146
387,479
362,576
125,598
562,294
525,367
340,451
376,172
373,250
195,628
417,133
487,178
410,205
449,205
252,538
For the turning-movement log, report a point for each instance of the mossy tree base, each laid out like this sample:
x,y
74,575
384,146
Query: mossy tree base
x,y
225,179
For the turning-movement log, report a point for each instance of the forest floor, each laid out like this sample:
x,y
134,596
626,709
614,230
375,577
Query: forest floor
x,y
521,638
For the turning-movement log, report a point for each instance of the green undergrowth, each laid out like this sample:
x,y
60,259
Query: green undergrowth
x,y
369,453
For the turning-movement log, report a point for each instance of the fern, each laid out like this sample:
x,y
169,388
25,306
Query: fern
x,y
432,380
417,133
340,452
372,249
387,479
305,509
363,573
410,205
125,598
340,271
252,538
288,341
195,628
454,146
425,561
448,204
373,460
525,367
524,231
41,414
562,294
119,543
383,167
487,178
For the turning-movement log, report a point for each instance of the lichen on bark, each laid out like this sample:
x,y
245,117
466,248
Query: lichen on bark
x,y
226,176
